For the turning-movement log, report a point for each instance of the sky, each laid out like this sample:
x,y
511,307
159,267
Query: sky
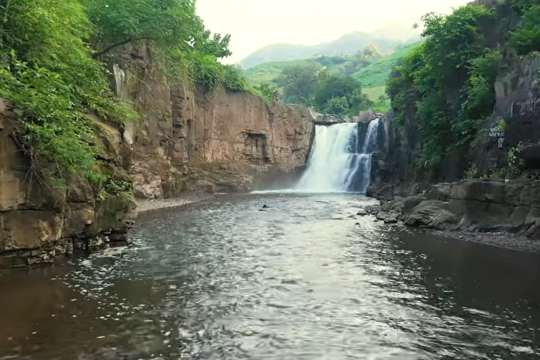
x,y
257,23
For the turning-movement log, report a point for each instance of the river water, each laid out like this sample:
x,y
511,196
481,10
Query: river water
x,y
301,279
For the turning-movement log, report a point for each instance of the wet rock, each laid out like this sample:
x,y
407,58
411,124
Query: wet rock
x,y
439,192
373,209
531,156
488,191
389,218
534,231
362,212
411,202
432,214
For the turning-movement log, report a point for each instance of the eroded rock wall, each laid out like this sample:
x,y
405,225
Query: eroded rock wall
x,y
190,139
516,118
514,124
38,220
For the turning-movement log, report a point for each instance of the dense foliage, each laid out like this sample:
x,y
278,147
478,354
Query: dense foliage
x,y
299,83
527,37
447,84
369,67
326,92
47,71
51,70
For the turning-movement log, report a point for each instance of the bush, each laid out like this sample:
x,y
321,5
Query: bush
x,y
447,85
48,73
527,36
206,71
233,79
267,92
480,91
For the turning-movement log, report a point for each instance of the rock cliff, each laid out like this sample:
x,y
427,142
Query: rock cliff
x,y
187,140
193,140
482,200
40,220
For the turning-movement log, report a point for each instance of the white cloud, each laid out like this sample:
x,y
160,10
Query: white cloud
x,y
256,23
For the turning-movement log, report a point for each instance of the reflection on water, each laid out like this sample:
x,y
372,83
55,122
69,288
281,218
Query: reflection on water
x,y
301,279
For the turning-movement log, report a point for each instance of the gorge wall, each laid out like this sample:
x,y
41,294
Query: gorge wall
x,y
194,140
515,122
482,200
187,140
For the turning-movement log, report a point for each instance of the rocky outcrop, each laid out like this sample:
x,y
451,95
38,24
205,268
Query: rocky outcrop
x,y
39,221
472,205
514,127
516,118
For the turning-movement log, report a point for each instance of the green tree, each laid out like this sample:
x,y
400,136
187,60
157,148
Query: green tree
x,y
47,71
169,23
446,86
340,95
299,83
526,38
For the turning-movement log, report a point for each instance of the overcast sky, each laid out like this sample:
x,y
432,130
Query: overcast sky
x,y
256,23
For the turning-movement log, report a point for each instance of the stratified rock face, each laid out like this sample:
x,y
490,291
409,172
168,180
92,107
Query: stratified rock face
x,y
196,140
39,222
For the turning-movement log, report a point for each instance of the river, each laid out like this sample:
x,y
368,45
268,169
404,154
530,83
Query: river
x,y
276,277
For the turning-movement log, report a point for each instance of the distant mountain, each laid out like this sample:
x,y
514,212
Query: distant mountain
x,y
346,45
406,34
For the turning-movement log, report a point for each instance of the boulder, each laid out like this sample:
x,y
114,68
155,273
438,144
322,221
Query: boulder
x,y
16,232
531,156
432,214
411,202
488,191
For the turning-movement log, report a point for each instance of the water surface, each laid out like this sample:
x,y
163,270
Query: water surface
x,y
301,279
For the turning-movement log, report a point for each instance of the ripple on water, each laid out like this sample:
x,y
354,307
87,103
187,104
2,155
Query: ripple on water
x,y
303,279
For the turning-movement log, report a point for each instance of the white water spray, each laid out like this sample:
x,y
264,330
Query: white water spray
x,y
340,161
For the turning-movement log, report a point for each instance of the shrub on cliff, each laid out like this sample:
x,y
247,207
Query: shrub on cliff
x,y
233,79
526,38
50,67
446,85
48,73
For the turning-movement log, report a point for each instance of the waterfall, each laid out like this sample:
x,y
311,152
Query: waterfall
x,y
120,78
340,161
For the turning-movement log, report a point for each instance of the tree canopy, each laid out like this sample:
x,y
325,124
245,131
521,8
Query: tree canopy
x,y
51,69
447,82
336,94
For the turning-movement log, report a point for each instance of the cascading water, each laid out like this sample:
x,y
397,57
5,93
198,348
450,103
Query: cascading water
x,y
340,161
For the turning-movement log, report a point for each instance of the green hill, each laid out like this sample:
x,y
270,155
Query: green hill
x,y
370,67
376,73
269,72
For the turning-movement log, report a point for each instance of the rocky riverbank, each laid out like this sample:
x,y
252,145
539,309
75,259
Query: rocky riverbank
x,y
498,213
